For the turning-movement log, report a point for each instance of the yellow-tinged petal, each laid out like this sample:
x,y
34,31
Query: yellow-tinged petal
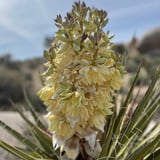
x,y
98,120
116,81
61,128
52,105
46,93
71,147
62,60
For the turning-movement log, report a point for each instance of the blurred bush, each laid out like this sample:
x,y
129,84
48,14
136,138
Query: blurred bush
x,y
16,76
10,86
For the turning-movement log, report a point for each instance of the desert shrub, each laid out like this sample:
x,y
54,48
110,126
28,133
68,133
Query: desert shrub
x,y
142,79
14,65
133,62
34,63
10,86
120,48
151,63
16,76
28,76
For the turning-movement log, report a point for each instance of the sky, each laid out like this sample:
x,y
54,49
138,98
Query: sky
x,y
24,24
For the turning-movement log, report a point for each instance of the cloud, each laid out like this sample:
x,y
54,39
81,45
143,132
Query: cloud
x,y
41,5
6,20
135,10
7,24
5,6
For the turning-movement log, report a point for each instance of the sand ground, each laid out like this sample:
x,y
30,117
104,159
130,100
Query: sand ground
x,y
14,120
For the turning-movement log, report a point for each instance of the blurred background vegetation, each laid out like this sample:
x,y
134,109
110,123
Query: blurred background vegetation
x,y
16,76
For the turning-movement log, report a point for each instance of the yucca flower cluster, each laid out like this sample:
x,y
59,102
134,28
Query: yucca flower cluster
x,y
83,73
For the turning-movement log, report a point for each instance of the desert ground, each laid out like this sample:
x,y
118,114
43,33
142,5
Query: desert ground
x,y
14,120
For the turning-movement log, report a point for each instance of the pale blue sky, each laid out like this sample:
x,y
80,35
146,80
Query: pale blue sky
x,y
25,23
